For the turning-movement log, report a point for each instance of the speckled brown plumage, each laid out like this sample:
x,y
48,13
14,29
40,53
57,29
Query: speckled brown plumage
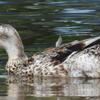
x,y
74,59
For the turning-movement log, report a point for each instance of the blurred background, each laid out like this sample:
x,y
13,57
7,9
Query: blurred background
x,y
40,22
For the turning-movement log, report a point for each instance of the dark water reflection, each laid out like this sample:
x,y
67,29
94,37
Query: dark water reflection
x,y
39,23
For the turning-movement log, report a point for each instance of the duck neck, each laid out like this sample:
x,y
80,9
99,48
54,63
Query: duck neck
x,y
11,42
16,54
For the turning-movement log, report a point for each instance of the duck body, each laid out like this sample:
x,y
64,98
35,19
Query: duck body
x,y
74,59
85,63
42,64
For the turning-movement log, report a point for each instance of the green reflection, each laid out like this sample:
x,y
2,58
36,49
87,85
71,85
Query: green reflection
x,y
37,21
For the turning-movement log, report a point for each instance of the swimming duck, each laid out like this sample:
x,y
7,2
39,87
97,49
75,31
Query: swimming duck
x,y
74,59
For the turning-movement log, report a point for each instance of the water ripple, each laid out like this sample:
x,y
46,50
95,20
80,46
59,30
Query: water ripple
x,y
76,10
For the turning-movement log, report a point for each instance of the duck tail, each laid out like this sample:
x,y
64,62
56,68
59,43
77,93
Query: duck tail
x,y
59,41
90,41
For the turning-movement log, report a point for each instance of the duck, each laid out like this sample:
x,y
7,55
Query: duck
x,y
79,58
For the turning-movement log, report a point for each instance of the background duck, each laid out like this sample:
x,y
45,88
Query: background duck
x,y
74,59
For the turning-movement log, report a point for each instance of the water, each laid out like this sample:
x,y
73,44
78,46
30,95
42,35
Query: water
x,y
39,23
50,89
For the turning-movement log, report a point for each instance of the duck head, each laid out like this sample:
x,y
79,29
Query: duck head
x,y
11,42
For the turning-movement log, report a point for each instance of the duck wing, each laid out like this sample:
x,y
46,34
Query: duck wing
x,y
86,62
57,61
80,45
62,52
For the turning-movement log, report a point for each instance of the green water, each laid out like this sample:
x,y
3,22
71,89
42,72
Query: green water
x,y
39,23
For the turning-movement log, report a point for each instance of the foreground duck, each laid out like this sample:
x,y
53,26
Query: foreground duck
x,y
74,59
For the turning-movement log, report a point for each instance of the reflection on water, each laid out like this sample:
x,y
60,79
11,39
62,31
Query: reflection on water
x,y
53,89
39,23
72,10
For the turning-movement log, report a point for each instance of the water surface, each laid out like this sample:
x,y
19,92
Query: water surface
x,y
39,23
